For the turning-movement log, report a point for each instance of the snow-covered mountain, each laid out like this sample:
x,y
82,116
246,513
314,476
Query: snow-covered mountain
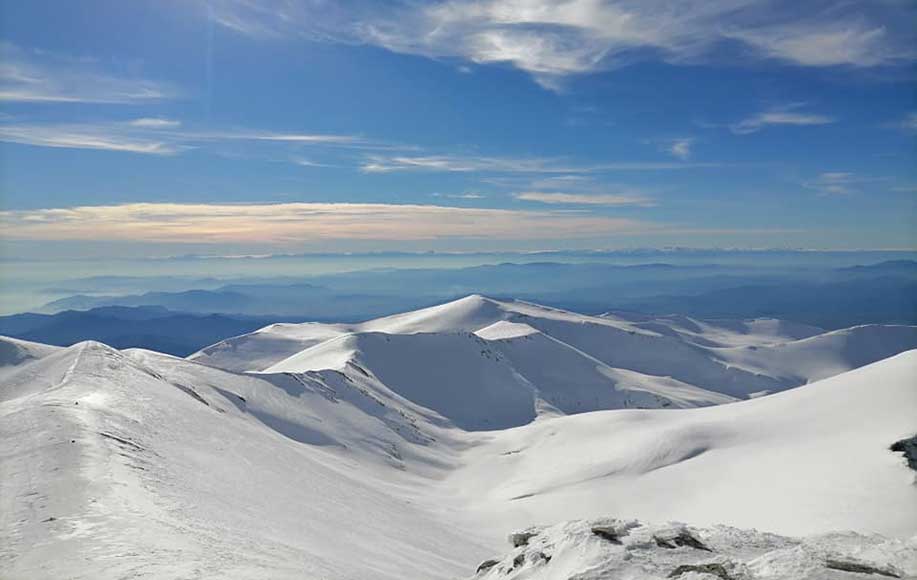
x,y
408,447
483,364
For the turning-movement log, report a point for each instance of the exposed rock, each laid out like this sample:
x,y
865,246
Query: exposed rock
x,y
615,548
681,539
712,568
540,557
609,533
860,568
909,448
522,538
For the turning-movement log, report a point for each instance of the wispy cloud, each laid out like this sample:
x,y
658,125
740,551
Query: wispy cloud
x,y
812,43
679,148
586,199
156,136
456,163
553,39
86,137
35,76
279,137
786,115
387,164
155,123
838,183
303,162
293,223
468,195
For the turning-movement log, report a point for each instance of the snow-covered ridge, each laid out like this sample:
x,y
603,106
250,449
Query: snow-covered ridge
x,y
528,360
14,351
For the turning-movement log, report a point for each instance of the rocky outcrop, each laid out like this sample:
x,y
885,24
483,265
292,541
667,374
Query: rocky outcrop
x,y
712,569
613,548
860,568
521,538
909,448
682,538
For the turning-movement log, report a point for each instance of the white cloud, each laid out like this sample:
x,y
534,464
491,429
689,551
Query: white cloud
x,y
281,137
586,198
779,116
552,39
34,76
679,148
155,136
295,223
838,183
303,162
454,163
469,195
85,137
815,44
155,123
457,163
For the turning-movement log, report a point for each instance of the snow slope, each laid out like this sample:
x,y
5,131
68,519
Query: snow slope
x,y
14,352
141,465
721,332
137,463
808,460
479,384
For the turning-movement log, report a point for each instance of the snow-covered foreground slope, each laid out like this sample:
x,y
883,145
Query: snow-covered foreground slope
x,y
807,460
410,446
140,465
486,364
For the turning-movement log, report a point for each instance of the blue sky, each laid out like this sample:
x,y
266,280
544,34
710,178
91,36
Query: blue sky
x,y
242,126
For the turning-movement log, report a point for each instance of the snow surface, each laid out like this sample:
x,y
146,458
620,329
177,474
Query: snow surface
x,y
808,460
408,447
14,352
140,465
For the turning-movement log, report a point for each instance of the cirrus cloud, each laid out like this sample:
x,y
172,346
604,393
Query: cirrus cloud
x,y
552,39
586,199
785,115
468,164
39,77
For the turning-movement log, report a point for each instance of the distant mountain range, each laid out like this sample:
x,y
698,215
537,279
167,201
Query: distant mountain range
x,y
884,293
152,327
883,300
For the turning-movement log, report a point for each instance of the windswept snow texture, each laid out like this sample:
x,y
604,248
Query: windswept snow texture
x,y
485,364
408,447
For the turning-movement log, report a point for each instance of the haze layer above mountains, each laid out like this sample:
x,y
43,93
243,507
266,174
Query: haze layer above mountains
x,y
183,314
